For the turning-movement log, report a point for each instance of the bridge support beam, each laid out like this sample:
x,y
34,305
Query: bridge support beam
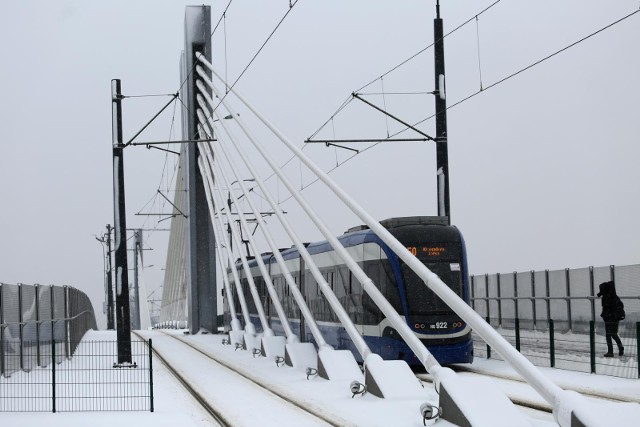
x,y
200,262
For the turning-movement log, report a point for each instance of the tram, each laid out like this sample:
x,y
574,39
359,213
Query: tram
x,y
438,245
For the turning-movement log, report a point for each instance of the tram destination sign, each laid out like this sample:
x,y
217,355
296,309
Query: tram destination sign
x,y
430,251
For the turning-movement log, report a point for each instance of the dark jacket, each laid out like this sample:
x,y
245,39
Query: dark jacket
x,y
612,307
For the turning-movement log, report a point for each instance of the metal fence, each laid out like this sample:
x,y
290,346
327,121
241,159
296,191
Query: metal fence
x,y
90,381
39,321
553,317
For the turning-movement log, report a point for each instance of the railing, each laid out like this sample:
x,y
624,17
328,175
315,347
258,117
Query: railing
x,y
575,352
553,317
37,320
90,381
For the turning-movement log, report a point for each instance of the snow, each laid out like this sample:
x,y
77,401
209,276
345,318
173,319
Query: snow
x,y
245,405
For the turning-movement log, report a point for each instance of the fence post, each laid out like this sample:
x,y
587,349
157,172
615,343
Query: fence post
x,y
546,281
533,297
552,345
592,342
517,334
486,288
612,272
53,323
1,335
66,322
151,374
515,293
53,375
593,294
568,281
499,300
488,346
37,287
21,328
473,293
638,345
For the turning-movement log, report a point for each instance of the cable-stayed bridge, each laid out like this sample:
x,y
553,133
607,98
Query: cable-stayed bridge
x,y
286,303
266,295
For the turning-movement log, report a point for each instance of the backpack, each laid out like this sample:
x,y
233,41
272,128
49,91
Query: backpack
x,y
619,310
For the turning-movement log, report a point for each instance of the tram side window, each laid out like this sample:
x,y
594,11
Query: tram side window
x,y
251,304
331,277
371,313
310,286
389,286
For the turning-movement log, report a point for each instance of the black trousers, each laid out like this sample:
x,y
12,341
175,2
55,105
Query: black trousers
x,y
611,331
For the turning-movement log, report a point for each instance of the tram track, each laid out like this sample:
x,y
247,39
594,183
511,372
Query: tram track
x,y
309,410
210,409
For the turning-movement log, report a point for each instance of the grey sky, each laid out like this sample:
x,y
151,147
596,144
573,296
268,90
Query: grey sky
x,y
544,167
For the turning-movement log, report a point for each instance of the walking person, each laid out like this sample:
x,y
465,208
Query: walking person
x,y
612,313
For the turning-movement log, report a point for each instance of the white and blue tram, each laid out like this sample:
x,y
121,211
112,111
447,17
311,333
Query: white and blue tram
x,y
438,245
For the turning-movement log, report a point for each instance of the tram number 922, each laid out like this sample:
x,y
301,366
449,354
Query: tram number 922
x,y
438,325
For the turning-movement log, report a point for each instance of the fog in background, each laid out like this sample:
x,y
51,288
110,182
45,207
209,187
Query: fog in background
x,y
543,167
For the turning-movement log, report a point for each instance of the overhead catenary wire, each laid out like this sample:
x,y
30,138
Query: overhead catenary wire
x,y
472,95
528,67
253,58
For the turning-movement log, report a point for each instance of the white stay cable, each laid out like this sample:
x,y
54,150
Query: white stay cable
x,y
221,236
263,269
243,259
543,385
333,301
297,295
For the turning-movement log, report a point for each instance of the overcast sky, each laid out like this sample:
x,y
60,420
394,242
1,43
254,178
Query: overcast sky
x,y
544,167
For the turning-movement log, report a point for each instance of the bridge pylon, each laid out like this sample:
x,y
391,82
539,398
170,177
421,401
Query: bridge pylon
x,y
199,261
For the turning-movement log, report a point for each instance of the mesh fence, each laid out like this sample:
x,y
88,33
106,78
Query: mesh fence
x,y
553,317
90,381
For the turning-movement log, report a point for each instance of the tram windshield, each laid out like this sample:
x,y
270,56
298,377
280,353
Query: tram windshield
x,y
420,299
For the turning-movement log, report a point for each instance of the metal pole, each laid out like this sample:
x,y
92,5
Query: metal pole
x,y
546,281
110,317
442,156
592,345
552,344
568,281
53,376
37,287
137,246
120,228
150,350
1,335
499,300
21,320
533,297
593,294
515,293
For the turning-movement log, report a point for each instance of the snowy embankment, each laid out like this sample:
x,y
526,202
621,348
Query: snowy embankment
x,y
245,404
